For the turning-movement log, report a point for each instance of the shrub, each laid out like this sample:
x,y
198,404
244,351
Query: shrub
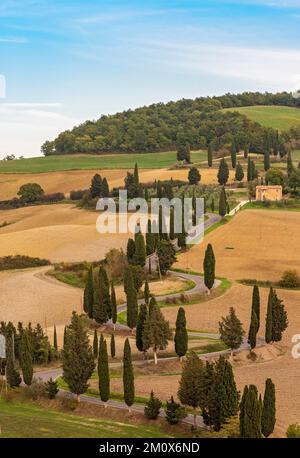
x,y
290,279
174,412
152,407
69,403
30,192
36,390
52,388
293,431
21,262
78,195
54,197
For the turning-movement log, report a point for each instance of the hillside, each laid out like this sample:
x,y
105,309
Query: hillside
x,y
160,127
276,117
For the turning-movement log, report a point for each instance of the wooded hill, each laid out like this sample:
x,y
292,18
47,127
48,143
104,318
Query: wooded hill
x,y
160,127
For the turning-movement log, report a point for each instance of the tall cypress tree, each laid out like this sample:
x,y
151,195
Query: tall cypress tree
x,y
104,294
290,165
65,337
130,250
269,319
146,292
253,330
223,173
55,346
232,395
88,295
12,375
239,172
256,304
216,402
242,410
105,188
209,155
112,346
136,176
251,421
114,309
95,344
131,299
267,160
209,265
268,418
249,170
142,318
156,330
233,154
139,257
191,389
96,186
279,318
77,357
150,239
128,376
222,203
181,335
26,358
103,371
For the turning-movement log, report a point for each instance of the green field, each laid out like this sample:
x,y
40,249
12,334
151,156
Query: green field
x,y
29,421
281,118
88,162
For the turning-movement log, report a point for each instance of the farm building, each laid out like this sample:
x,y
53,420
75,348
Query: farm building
x,y
268,193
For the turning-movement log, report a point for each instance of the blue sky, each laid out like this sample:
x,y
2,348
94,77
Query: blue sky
x,y
65,61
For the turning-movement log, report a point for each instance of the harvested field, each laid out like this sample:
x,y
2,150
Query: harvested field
x,y
56,232
255,244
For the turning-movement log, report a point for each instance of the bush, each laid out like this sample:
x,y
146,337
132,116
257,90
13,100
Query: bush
x,y
152,407
54,197
21,262
36,390
290,279
30,192
52,388
69,403
78,195
293,431
174,412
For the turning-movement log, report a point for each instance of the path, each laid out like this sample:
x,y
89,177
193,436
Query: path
x,y
238,207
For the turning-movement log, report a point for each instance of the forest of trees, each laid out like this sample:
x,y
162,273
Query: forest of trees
x,y
160,127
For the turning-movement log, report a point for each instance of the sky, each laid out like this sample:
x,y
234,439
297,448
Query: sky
x,y
65,61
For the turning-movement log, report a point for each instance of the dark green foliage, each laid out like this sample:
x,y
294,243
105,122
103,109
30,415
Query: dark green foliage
x,y
289,165
26,358
146,292
242,410
223,173
88,295
131,299
30,192
268,418
250,426
128,376
150,240
157,331
174,412
65,337
216,402
253,330
233,154
103,371
267,160
104,294
52,388
251,170
12,375
209,156
142,318
209,266
166,255
130,251
232,397
183,152
113,301
239,172
269,319
77,356
212,207
279,318
191,385
21,262
105,188
112,346
256,304
95,344
231,331
222,203
152,407
139,256
194,176
96,186
55,346
181,335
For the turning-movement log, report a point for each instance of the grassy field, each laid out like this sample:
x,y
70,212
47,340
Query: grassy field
x,y
281,118
90,162
29,421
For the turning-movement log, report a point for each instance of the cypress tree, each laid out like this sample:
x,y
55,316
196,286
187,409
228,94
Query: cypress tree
x,y
156,330
150,239
142,318
112,346
269,319
52,388
233,154
130,251
152,407
131,298
104,294
105,188
174,412
114,309
136,176
99,307
77,357
65,337
216,402
231,331
223,173
191,390
253,330
239,172
194,176
246,151
88,296
209,155
222,203
172,224
26,358
268,417
95,344
139,257
232,395
267,160
209,265
212,205
128,376
279,318
242,410
251,421
12,375
181,335
146,292
96,186
256,304
249,170
103,371
290,165
55,346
